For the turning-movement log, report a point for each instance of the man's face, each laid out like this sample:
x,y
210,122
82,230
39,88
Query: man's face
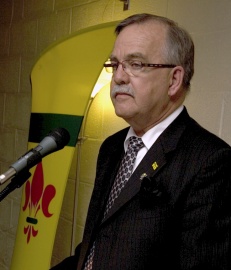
x,y
148,103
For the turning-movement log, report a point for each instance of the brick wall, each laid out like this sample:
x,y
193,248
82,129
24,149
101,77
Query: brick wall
x,y
29,27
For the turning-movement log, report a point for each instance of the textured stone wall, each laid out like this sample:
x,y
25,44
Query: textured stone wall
x,y
27,28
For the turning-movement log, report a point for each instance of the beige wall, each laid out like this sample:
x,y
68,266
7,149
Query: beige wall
x,y
28,27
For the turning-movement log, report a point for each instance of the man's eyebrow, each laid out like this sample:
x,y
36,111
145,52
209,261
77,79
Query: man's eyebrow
x,y
129,56
135,55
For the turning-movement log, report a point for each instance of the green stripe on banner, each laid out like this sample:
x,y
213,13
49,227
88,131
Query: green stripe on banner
x,y
42,123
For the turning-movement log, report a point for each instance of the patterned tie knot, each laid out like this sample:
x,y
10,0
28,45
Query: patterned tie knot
x,y
136,143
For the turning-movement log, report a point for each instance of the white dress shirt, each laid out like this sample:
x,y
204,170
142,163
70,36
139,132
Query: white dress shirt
x,y
151,135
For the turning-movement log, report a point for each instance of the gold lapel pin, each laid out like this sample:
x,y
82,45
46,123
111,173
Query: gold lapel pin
x,y
155,166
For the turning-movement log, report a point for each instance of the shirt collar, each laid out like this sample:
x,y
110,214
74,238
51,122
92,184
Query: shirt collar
x,y
152,134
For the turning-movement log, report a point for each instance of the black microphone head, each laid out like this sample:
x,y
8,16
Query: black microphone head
x,y
61,137
55,140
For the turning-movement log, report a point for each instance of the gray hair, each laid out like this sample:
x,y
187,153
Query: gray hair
x,y
179,44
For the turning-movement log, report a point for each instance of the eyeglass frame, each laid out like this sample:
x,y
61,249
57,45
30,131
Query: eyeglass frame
x,y
117,63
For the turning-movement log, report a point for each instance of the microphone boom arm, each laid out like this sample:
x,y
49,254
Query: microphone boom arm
x,y
16,182
30,159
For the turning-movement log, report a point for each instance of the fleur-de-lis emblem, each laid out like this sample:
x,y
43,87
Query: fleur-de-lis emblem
x,y
37,197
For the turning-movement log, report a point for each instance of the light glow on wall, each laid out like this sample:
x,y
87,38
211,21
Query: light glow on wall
x,y
104,78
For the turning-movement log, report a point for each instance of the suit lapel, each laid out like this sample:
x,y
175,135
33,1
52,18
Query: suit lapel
x,y
153,162
156,156
109,158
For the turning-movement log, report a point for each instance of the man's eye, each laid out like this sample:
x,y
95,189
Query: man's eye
x,y
136,65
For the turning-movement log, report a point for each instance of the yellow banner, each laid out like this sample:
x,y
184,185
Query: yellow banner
x,y
62,81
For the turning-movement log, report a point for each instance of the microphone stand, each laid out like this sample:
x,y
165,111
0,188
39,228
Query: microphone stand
x,y
16,182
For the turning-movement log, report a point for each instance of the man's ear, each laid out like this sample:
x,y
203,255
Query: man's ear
x,y
176,80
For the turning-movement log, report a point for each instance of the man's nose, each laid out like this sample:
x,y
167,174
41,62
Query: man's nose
x,y
120,76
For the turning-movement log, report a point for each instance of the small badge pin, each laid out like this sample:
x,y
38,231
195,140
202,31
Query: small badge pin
x,y
154,165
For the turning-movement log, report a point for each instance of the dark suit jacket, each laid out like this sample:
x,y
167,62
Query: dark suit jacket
x,y
178,217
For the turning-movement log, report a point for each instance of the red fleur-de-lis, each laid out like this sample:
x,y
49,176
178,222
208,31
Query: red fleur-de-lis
x,y
37,197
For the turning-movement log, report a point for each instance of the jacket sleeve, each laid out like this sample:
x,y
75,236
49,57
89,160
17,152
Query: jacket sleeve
x,y
206,227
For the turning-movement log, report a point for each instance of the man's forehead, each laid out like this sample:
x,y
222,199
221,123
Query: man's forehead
x,y
141,33
139,41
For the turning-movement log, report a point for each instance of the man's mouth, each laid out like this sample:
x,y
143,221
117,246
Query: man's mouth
x,y
122,94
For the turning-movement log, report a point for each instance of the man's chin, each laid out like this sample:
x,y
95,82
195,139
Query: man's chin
x,y
123,114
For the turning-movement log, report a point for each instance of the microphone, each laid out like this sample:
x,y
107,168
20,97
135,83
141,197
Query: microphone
x,y
54,141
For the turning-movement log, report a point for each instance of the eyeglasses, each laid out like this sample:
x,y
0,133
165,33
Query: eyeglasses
x,y
133,67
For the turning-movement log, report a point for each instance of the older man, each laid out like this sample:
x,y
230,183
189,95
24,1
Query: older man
x,y
162,195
